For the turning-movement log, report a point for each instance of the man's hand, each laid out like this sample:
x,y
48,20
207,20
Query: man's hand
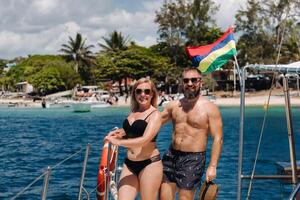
x,y
211,173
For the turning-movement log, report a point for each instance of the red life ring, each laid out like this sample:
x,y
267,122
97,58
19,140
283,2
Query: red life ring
x,y
101,184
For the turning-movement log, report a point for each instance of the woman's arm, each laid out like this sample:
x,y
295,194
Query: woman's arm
x,y
151,131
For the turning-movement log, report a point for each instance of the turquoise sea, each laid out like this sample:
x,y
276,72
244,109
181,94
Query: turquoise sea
x,y
32,139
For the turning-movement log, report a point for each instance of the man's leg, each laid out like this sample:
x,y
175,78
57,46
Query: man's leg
x,y
186,194
167,191
189,171
168,186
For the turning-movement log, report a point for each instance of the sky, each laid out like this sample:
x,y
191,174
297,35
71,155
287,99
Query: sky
x,y
41,26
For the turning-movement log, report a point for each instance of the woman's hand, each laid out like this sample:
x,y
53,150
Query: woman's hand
x,y
113,139
118,133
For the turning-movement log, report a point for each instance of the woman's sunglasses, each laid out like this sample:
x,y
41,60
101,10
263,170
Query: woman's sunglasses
x,y
140,91
193,80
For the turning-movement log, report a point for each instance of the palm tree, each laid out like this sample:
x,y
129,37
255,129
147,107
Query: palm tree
x,y
77,50
115,42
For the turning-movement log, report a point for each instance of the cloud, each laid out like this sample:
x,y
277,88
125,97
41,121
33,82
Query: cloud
x,y
225,17
48,41
45,6
148,41
41,26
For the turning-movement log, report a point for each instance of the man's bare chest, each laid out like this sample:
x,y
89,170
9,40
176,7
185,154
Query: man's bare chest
x,y
195,117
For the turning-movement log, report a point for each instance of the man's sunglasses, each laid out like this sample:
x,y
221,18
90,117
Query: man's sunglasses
x,y
193,80
140,91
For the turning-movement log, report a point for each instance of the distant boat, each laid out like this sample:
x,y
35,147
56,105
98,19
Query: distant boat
x,y
59,103
100,105
88,97
81,106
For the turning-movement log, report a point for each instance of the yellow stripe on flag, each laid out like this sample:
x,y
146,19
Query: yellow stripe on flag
x,y
206,62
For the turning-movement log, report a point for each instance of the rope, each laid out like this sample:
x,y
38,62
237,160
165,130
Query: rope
x,y
113,187
68,158
112,174
43,174
266,112
28,186
114,190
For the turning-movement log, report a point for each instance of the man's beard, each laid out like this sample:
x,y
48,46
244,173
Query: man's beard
x,y
189,94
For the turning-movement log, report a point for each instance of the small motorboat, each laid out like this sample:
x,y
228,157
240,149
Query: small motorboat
x,y
81,106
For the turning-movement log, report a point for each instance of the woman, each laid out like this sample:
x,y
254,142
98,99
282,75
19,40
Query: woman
x,y
142,170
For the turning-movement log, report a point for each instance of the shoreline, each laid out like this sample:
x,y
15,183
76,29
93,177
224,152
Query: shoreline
x,y
257,100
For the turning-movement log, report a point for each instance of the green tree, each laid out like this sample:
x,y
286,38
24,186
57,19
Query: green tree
x,y
54,78
292,46
173,19
80,53
263,23
104,69
114,42
38,69
168,72
184,23
282,16
47,81
255,44
202,29
114,45
135,62
2,65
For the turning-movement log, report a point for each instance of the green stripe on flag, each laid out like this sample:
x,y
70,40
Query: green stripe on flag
x,y
205,64
218,62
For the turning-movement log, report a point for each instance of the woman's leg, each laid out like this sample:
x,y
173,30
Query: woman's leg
x,y
150,180
128,185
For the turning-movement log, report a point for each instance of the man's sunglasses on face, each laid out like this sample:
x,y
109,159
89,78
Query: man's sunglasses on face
x,y
193,80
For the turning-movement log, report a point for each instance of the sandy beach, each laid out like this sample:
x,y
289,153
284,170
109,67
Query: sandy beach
x,y
257,98
220,98
257,101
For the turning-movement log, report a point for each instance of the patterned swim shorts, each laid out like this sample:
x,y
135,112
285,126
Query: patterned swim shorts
x,y
184,168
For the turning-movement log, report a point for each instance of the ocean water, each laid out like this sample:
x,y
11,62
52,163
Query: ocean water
x,y
32,139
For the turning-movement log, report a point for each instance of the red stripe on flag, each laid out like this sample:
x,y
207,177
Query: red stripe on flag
x,y
203,50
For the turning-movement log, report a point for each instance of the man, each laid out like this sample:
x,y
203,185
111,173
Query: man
x,y
193,118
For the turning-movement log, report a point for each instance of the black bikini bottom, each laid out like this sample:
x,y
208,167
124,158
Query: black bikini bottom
x,y
137,166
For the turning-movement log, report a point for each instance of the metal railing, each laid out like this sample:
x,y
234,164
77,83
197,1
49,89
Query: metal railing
x,y
111,177
81,187
295,192
47,173
241,176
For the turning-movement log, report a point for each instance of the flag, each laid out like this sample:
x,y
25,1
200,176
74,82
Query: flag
x,y
210,57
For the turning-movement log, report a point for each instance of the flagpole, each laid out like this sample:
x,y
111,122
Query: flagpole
x,y
238,68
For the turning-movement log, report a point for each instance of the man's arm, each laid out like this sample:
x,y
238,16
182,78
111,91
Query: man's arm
x,y
166,114
216,129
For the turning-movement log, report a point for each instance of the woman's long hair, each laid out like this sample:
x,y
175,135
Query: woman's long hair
x,y
134,103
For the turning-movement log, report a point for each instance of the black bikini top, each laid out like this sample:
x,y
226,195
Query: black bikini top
x,y
137,128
